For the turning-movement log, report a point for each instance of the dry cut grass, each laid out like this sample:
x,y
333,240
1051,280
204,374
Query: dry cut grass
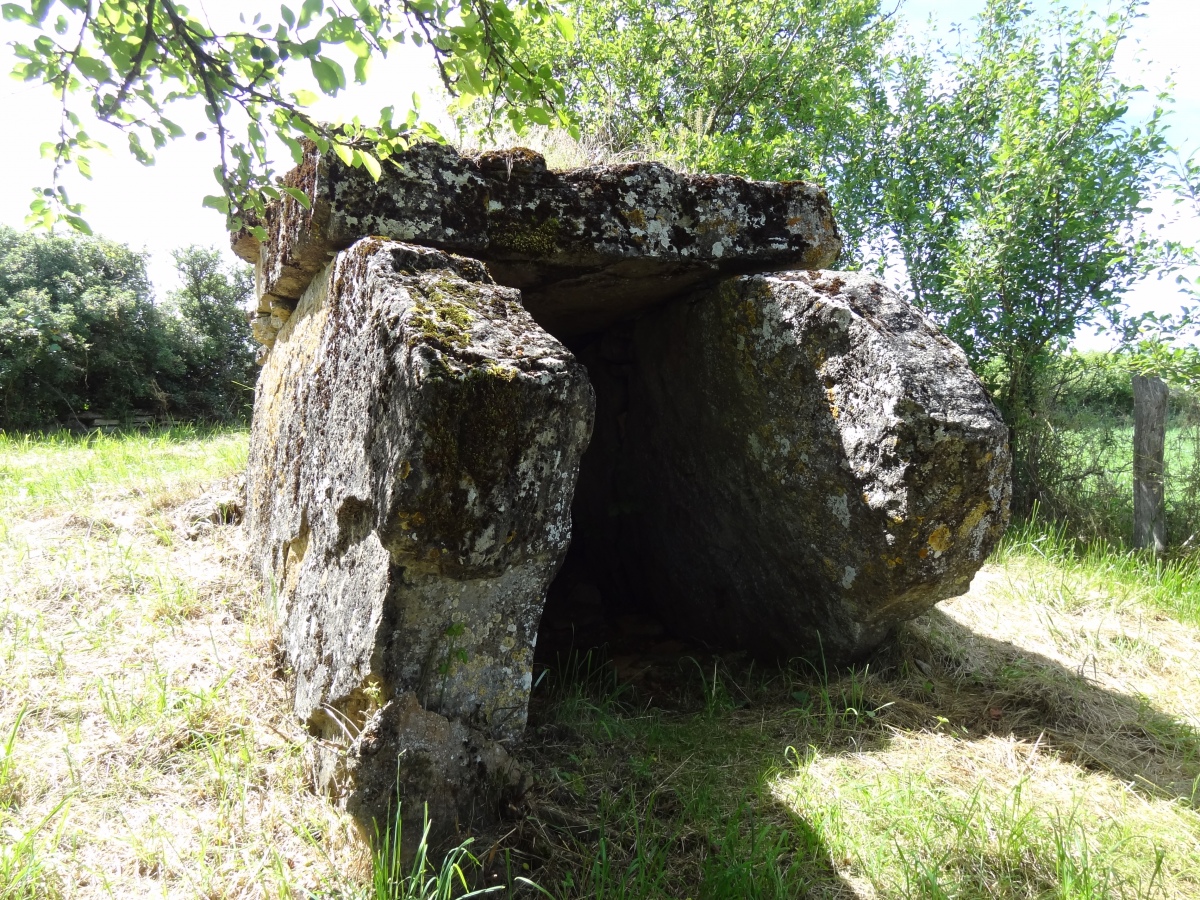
x,y
1037,738
147,749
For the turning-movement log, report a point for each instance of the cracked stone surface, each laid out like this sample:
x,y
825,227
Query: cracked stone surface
x,y
587,248
791,465
413,457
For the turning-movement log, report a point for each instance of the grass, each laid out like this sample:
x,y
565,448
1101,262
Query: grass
x,y
147,749
1036,738
1064,571
1086,473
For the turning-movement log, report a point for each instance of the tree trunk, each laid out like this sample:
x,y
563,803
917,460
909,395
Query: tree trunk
x,y
1149,440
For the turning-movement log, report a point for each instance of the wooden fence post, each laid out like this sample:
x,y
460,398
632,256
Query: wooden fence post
x,y
1149,442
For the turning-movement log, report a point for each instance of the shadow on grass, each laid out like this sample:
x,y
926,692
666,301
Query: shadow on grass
x,y
659,781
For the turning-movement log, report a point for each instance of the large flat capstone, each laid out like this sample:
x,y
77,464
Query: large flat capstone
x,y
587,248
413,457
789,464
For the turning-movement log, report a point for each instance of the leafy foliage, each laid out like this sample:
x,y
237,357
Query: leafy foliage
x,y
1040,237
211,339
1046,241
134,62
999,177
79,332
777,90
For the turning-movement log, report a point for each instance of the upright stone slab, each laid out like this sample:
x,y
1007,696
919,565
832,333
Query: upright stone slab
x,y
587,248
790,464
413,456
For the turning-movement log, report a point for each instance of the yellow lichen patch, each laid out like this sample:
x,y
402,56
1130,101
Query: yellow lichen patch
x,y
635,217
974,517
410,520
831,399
405,470
750,310
497,370
442,315
940,540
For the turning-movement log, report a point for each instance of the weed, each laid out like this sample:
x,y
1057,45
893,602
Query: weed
x,y
422,879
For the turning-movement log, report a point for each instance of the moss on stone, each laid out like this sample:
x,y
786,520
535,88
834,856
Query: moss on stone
x,y
529,240
441,313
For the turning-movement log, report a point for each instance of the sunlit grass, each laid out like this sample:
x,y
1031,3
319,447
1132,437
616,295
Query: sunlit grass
x,y
1038,738
60,467
1065,571
146,744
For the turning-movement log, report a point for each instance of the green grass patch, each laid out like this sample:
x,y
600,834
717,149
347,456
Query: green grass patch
x,y
718,780
1035,739
60,467
722,781
1075,571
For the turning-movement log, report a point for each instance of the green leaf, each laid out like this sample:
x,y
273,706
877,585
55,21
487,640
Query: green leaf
x,y
472,76
329,74
219,202
299,196
95,69
564,26
305,98
285,13
362,69
538,115
370,163
310,10
345,154
14,12
77,223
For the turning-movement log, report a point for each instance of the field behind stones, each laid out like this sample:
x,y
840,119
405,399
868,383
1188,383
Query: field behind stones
x,y
1039,737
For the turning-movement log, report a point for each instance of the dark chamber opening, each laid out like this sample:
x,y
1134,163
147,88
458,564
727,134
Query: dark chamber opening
x,y
597,600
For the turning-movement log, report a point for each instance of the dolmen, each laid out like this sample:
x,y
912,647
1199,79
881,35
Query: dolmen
x,y
476,363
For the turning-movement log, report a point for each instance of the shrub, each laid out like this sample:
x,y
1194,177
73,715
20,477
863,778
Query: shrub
x,y
80,332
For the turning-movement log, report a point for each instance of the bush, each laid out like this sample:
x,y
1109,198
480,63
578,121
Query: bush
x,y
80,332
213,338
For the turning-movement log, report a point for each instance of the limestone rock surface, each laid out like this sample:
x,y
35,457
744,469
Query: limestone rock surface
x,y
586,247
426,762
791,464
413,457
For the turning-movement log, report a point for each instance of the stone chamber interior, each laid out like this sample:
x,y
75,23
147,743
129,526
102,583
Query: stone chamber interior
x,y
598,600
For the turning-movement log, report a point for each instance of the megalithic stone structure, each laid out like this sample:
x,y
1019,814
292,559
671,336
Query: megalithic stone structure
x,y
786,461
587,248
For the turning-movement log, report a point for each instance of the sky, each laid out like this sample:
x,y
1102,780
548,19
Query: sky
x,y
159,208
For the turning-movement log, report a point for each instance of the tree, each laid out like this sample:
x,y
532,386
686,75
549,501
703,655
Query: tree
x,y
1033,233
1000,179
78,330
213,341
782,89
135,61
